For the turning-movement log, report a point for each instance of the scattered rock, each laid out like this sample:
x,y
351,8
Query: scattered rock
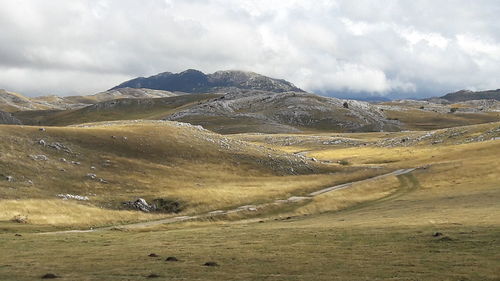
x,y
49,276
152,275
71,196
63,160
139,204
75,163
159,205
42,142
18,235
171,259
9,178
40,157
59,146
20,219
210,263
92,167
437,234
153,255
41,129
91,176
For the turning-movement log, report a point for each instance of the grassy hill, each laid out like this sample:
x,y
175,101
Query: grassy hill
x,y
121,109
174,161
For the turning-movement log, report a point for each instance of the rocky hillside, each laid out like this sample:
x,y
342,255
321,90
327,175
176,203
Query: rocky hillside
x,y
194,81
261,111
465,95
7,118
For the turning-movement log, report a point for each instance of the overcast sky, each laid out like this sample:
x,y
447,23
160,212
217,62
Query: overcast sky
x,y
386,47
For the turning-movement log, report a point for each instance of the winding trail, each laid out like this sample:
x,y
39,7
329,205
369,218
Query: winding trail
x,y
293,199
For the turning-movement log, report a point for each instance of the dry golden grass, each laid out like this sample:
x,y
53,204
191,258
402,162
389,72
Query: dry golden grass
x,y
428,120
201,170
356,194
66,213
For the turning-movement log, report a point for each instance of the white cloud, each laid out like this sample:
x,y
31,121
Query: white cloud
x,y
398,48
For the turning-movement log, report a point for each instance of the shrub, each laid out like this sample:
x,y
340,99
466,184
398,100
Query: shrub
x,y
343,162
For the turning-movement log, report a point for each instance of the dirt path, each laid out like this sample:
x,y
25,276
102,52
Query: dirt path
x,y
401,174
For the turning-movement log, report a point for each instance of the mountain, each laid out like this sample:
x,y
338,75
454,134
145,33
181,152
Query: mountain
x,y
194,81
465,95
7,118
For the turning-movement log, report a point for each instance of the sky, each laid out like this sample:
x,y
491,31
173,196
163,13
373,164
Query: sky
x,y
362,48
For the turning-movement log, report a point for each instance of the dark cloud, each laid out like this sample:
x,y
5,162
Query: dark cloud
x,y
365,47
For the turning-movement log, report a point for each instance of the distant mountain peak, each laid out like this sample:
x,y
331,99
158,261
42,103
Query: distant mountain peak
x,y
195,81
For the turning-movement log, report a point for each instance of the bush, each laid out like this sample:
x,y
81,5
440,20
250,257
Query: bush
x,y
167,205
343,162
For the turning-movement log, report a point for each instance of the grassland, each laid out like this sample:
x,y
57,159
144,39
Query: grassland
x,y
438,223
428,120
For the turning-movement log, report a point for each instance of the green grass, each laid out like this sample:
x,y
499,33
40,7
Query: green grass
x,y
323,247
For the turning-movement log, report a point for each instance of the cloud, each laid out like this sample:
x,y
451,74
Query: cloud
x,y
366,47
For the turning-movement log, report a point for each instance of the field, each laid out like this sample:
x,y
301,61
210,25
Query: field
x,y
438,222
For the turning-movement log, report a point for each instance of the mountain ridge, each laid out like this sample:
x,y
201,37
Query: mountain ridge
x,y
195,81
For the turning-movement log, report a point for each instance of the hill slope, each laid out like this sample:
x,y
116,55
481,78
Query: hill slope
x,y
12,102
111,163
194,81
465,95
120,109
260,111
